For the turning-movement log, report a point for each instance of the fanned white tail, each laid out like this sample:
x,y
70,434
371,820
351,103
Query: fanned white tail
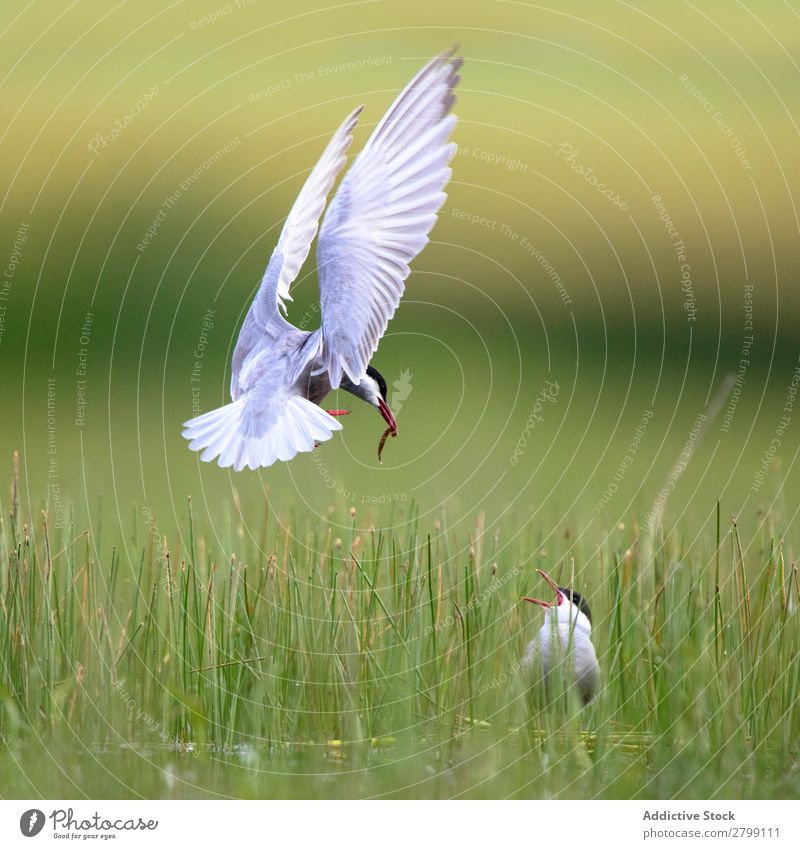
x,y
249,433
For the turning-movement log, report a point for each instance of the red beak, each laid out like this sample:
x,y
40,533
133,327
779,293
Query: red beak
x,y
553,584
387,415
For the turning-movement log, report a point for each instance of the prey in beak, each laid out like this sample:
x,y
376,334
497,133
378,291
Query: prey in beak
x,y
390,420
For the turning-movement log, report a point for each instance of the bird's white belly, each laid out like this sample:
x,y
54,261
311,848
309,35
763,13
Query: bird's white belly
x,y
554,646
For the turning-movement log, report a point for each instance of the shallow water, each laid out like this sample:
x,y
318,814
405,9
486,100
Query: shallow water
x,y
478,764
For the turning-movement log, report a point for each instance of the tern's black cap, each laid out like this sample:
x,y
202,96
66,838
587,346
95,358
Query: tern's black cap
x,y
378,377
579,601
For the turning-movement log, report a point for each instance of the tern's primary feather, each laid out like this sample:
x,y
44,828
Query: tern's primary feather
x,y
377,223
380,218
264,321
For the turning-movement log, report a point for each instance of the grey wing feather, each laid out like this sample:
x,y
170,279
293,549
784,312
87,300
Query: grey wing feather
x,y
264,323
380,218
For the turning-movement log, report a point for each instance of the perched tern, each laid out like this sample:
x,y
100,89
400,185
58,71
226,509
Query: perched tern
x,y
566,633
377,222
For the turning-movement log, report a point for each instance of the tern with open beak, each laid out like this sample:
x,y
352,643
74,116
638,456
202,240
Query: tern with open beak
x,y
566,633
377,222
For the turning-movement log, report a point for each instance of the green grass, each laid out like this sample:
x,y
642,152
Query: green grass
x,y
277,655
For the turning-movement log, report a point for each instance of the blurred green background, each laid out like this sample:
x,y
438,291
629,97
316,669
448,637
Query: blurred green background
x,y
625,174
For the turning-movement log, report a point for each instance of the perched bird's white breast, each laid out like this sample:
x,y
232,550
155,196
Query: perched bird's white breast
x,y
565,638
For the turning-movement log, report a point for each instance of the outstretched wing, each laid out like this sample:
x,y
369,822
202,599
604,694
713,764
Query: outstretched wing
x,y
380,218
263,321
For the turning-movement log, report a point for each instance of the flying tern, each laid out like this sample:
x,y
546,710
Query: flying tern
x,y
377,222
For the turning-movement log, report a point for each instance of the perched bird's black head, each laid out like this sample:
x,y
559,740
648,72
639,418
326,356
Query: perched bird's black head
x,y
579,601
378,378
